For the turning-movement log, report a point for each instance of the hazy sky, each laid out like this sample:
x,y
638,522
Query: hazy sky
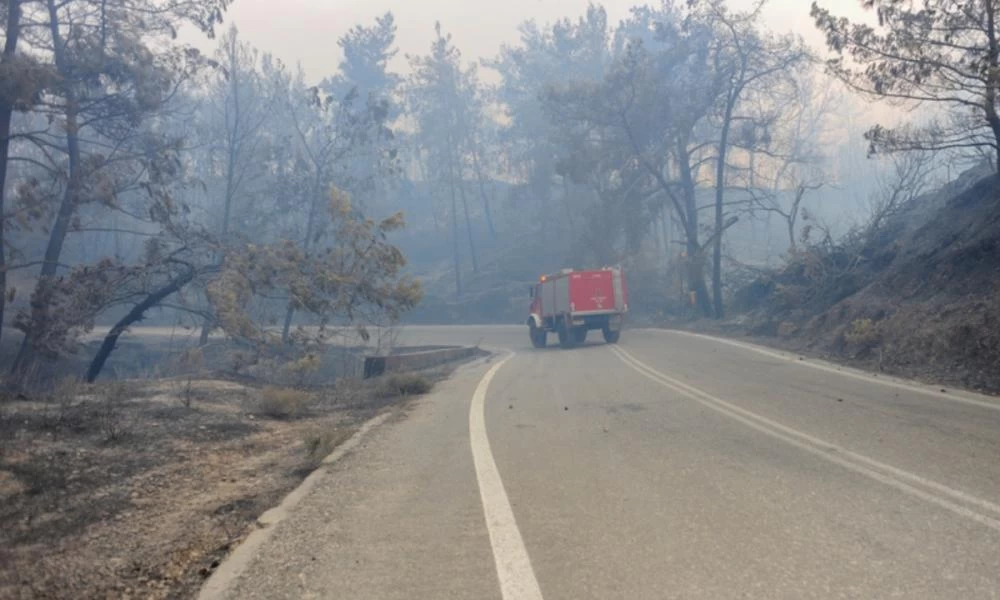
x,y
306,31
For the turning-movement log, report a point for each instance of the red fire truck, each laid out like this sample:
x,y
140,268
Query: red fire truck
x,y
571,303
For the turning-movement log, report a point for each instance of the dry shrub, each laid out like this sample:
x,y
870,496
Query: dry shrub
x,y
191,360
403,384
8,430
284,403
863,333
65,390
345,391
265,369
321,442
111,416
787,329
790,296
186,391
62,412
238,361
188,364
303,367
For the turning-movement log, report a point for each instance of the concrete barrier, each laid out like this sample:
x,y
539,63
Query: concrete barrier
x,y
412,361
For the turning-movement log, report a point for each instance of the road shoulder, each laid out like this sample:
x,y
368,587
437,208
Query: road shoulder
x,y
399,517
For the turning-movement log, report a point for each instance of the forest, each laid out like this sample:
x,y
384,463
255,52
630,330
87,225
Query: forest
x,y
146,181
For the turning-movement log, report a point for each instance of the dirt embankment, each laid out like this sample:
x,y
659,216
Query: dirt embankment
x,y
918,297
139,489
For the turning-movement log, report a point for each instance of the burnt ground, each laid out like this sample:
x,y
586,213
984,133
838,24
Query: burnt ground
x,y
140,489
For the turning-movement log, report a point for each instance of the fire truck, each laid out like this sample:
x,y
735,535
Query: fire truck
x,y
572,303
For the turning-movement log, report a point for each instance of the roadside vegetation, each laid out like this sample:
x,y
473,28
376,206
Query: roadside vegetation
x,y
911,287
139,488
916,295
237,213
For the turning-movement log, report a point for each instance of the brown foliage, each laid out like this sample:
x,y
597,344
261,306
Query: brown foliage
x,y
23,80
355,278
284,403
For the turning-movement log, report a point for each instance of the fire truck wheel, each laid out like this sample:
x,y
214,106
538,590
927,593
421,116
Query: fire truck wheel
x,y
539,337
566,337
579,335
610,336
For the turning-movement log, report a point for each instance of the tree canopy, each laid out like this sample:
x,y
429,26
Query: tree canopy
x,y
943,54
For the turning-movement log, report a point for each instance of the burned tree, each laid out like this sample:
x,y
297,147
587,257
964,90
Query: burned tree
x,y
940,54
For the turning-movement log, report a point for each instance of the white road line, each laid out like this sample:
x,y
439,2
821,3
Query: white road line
x,y
887,474
845,371
517,578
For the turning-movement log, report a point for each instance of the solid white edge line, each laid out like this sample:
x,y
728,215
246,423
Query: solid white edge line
x,y
821,448
838,370
514,570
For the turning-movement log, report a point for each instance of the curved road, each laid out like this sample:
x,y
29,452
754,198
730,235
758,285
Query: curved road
x,y
669,466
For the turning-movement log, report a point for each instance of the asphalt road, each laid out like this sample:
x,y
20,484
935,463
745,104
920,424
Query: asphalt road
x,y
669,466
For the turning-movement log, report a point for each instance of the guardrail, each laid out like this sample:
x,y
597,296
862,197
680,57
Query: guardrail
x,y
380,365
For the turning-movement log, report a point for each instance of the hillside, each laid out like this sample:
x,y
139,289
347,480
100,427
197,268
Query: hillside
x,y
919,296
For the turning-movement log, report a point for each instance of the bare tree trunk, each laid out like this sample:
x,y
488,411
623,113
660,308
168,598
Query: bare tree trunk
x,y
720,190
482,193
767,260
493,195
232,141
6,114
454,218
665,227
468,227
657,237
454,236
209,323
993,78
310,225
136,314
286,326
695,258
568,208
453,166
67,207
430,197
455,245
